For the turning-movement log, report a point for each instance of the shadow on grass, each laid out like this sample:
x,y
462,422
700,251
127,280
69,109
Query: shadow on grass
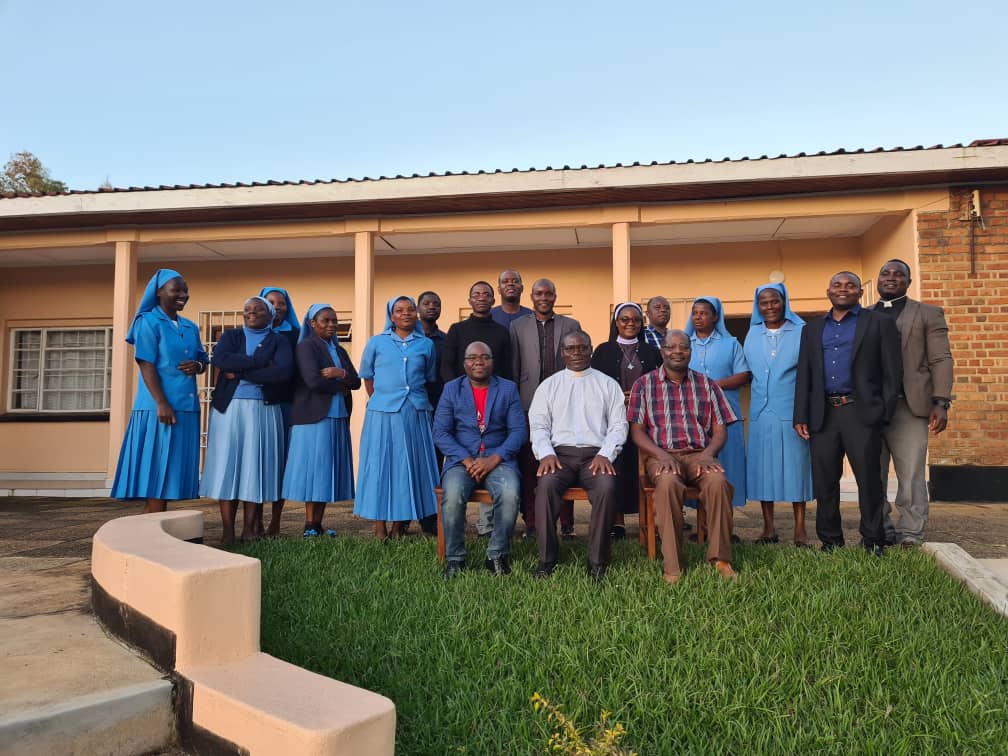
x,y
808,652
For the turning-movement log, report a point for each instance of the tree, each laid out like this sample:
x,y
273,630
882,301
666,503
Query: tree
x,y
25,174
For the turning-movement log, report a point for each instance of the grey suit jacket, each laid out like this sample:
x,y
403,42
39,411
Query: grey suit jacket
x,y
525,352
927,358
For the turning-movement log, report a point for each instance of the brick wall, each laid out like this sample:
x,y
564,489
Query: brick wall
x,y
976,307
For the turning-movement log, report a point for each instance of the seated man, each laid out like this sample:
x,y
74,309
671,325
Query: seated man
x,y
479,426
578,427
678,419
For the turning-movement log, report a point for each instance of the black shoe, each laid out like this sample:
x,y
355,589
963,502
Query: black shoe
x,y
453,568
828,547
596,572
618,533
687,527
567,532
544,570
529,534
875,550
499,565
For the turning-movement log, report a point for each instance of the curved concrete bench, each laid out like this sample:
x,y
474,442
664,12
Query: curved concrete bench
x,y
195,612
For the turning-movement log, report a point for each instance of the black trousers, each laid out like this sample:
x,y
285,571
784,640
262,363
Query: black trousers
x,y
843,433
603,493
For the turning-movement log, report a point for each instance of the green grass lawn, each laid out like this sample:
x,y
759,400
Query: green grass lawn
x,y
807,653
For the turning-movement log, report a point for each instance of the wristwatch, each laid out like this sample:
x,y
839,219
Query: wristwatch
x,y
941,402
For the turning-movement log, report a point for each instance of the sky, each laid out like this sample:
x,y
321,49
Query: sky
x,y
140,94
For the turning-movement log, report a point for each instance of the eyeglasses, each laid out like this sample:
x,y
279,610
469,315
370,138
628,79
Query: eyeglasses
x,y
628,321
478,358
577,349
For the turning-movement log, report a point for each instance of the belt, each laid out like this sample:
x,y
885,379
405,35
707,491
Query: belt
x,y
839,400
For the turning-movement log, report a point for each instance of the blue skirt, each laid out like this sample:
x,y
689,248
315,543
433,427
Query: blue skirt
x,y
398,470
320,462
779,465
159,461
245,453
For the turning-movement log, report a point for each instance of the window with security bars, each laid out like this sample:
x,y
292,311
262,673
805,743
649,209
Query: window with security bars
x,y
60,370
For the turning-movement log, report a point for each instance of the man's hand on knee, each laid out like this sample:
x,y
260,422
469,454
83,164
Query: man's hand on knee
x,y
707,463
548,465
667,465
601,466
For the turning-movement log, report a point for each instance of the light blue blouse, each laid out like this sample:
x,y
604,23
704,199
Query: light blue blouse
x,y
718,357
337,407
400,368
773,360
164,345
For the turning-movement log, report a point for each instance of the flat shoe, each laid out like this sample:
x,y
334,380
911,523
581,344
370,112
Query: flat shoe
x,y
618,533
802,545
767,540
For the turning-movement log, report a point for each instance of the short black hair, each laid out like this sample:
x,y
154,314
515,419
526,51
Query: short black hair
x,y
579,334
855,276
901,262
478,283
427,294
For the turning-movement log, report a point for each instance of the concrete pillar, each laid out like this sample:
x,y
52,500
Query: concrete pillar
x,y
620,263
123,298
363,324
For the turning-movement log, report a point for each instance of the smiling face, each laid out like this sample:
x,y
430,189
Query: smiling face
x,y
676,352
509,286
324,324
481,299
429,308
576,349
844,291
771,307
256,314
478,363
279,302
893,280
173,295
658,312
629,323
404,316
543,297
703,318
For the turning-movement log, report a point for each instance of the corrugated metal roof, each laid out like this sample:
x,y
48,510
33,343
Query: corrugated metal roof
x,y
166,187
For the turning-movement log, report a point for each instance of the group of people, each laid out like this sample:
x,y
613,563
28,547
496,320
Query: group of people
x,y
516,400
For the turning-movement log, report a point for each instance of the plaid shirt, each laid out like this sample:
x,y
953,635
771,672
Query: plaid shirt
x,y
652,337
679,416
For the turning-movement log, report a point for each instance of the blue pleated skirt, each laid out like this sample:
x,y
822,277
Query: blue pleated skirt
x,y
779,464
398,470
245,453
320,462
159,461
733,459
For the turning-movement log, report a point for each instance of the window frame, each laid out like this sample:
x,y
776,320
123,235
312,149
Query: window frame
x,y
39,410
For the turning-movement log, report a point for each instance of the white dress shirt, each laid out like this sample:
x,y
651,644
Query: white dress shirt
x,y
578,409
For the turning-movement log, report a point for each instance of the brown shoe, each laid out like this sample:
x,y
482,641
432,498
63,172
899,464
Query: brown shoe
x,y
671,579
725,570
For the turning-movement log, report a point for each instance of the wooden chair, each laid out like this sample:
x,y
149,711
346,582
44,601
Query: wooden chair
x,y
648,527
483,496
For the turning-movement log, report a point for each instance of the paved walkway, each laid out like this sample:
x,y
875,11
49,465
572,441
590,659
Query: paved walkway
x,y
52,650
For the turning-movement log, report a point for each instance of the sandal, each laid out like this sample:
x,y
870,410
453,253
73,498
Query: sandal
x,y
310,533
767,540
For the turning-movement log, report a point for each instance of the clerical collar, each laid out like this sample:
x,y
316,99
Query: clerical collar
x,y
887,304
626,342
579,373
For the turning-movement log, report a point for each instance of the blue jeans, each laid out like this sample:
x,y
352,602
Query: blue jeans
x,y
504,485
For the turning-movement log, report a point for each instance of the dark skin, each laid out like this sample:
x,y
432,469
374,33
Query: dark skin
x,y
628,325
704,319
658,313
429,310
481,299
478,364
893,282
510,288
172,298
576,350
771,308
279,302
844,293
676,354
543,298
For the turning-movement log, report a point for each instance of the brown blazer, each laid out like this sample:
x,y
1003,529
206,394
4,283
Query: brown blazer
x,y
927,359
525,352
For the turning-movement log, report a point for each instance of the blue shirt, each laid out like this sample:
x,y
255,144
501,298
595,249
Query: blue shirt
x,y
164,345
497,315
337,408
719,357
400,369
838,351
247,389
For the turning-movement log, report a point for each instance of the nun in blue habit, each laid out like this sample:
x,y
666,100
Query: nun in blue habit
x,y
779,465
718,355
320,455
285,323
245,443
398,472
159,458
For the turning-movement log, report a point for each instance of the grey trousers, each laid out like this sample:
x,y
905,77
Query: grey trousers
x,y
905,441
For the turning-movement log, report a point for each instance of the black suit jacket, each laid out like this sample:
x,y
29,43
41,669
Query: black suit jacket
x,y
876,371
271,366
313,393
